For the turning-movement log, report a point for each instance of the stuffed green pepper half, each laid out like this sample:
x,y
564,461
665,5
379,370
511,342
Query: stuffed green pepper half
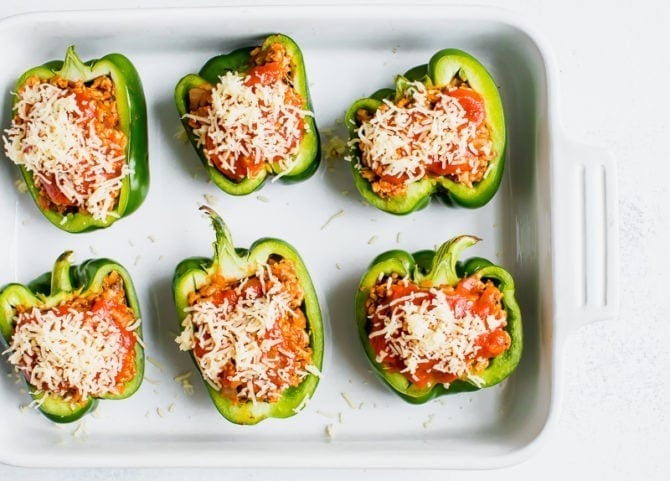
x,y
432,325
75,335
251,320
79,136
248,114
441,130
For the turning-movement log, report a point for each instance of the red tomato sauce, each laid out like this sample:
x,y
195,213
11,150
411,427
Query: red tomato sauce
x,y
96,103
271,71
109,304
470,295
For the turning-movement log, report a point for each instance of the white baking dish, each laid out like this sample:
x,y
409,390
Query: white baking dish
x,y
552,224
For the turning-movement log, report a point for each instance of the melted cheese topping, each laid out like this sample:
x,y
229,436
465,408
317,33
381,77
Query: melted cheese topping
x,y
422,327
400,141
52,139
74,356
237,335
254,121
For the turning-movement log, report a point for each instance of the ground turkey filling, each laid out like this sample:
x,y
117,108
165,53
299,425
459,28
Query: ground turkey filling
x,y
431,132
245,123
249,336
68,135
82,348
436,334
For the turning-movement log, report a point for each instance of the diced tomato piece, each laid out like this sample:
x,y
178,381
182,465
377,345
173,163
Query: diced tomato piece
x,y
54,193
472,102
224,295
445,168
265,74
494,343
252,288
86,105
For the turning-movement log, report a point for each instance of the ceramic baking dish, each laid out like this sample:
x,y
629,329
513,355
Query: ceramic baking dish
x,y
552,224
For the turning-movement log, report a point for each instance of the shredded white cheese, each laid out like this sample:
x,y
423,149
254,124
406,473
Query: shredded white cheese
x,y
75,350
236,334
254,121
57,144
186,385
422,327
401,141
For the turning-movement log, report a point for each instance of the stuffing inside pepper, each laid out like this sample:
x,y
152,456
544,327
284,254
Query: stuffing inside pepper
x,y
67,133
429,132
247,121
249,336
80,348
436,334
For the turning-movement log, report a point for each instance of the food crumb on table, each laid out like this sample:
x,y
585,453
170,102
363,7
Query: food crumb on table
x,y
348,400
428,421
156,363
211,199
21,186
340,213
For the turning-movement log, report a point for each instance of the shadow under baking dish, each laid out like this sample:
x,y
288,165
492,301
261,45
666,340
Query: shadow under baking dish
x,y
349,52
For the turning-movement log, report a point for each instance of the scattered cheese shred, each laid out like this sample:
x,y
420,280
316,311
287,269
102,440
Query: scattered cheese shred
x,y
348,400
211,199
21,186
335,148
184,380
156,363
332,218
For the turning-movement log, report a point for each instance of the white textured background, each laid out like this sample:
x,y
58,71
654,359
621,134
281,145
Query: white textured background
x,y
614,415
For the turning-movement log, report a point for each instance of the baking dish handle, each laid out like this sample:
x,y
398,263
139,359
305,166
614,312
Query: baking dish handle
x,y
586,234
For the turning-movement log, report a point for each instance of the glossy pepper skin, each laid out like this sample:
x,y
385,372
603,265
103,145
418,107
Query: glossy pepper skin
x,y
309,151
235,263
53,288
439,268
132,110
442,68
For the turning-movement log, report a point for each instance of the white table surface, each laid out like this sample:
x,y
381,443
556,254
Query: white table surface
x,y
614,417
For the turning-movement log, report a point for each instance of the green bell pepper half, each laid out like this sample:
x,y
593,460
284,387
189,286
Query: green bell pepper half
x,y
236,263
308,155
132,111
442,68
440,268
52,289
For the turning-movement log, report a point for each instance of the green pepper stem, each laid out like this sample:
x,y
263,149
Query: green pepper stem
x,y
225,255
73,67
60,276
443,269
